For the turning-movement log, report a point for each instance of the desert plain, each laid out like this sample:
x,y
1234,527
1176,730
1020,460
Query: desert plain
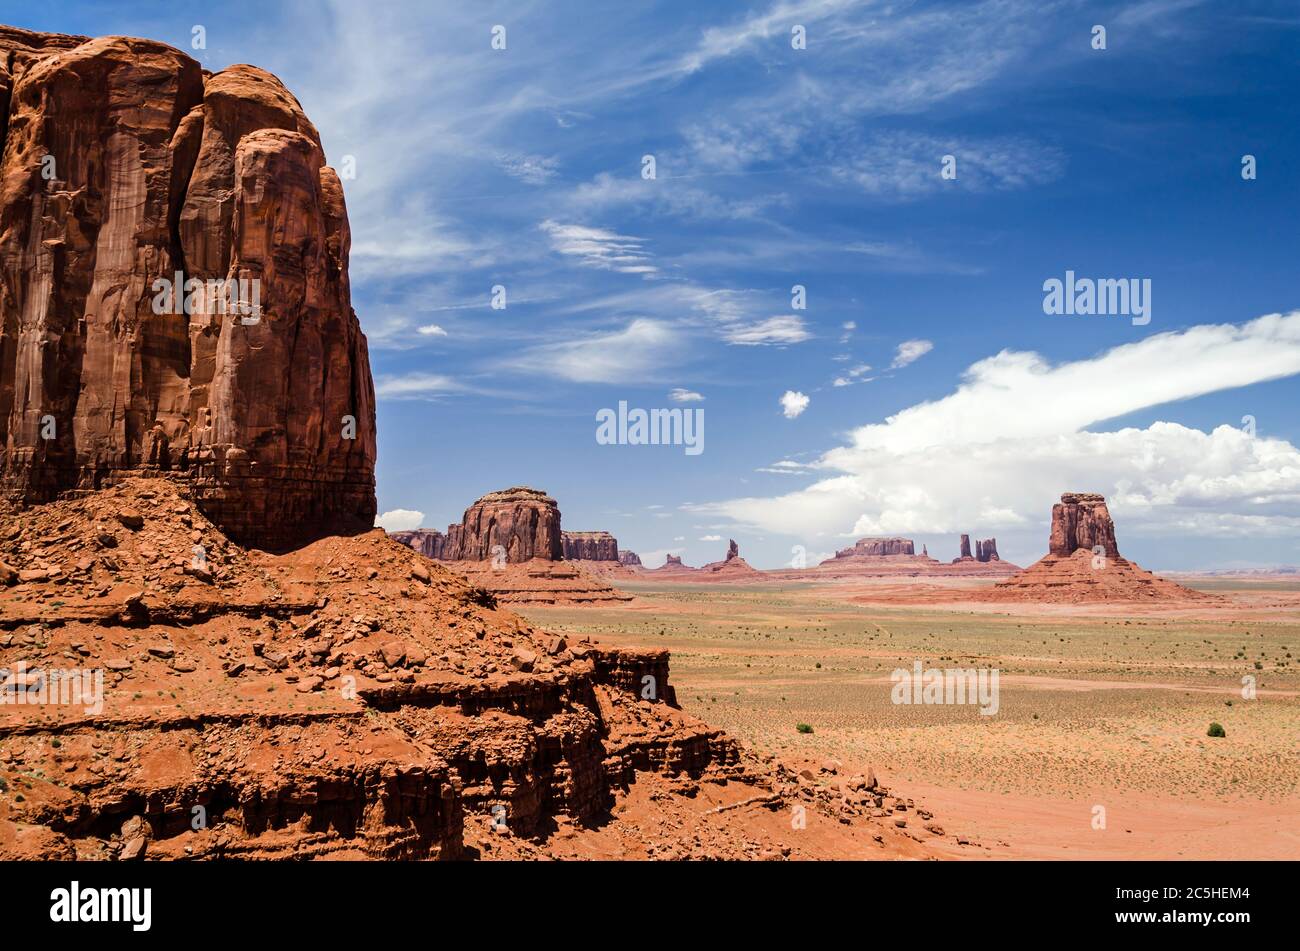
x,y
1099,746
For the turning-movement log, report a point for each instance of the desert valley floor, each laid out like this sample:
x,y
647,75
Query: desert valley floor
x,y
1103,705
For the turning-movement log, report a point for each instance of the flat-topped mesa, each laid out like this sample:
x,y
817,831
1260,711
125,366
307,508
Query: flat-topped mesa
x,y
174,295
517,524
673,561
589,546
987,550
878,548
1081,520
629,558
426,541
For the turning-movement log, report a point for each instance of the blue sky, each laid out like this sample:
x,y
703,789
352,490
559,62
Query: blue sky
x,y
819,167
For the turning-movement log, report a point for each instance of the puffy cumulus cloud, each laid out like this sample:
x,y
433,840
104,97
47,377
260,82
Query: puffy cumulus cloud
x,y
399,520
1001,448
682,395
793,403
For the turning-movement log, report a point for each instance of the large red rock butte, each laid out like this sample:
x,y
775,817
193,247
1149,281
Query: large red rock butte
x,y
516,524
1081,520
127,166
510,544
1083,563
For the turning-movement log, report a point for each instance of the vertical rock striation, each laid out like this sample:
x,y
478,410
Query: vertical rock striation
x,y
1081,520
136,192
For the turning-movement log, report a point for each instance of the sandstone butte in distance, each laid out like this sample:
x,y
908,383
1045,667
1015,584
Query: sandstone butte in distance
x,y
157,168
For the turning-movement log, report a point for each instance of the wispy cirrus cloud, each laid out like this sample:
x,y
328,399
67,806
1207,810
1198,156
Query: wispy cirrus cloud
x,y
599,248
642,351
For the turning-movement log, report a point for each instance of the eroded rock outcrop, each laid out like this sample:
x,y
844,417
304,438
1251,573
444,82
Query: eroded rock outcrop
x,y
1083,563
590,546
173,290
878,548
426,541
987,550
515,525
1081,520
629,558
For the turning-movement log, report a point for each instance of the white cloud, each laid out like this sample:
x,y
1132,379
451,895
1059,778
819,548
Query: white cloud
x,y
907,165
531,169
599,248
1000,449
680,395
785,329
399,520
710,538
431,330
785,467
639,352
415,386
909,351
793,403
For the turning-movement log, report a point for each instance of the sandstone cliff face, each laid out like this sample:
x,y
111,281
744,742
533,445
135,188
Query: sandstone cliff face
x,y
878,547
125,167
589,546
1081,520
426,541
523,521
965,547
629,558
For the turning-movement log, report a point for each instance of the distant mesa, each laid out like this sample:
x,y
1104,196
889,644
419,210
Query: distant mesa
x,y
629,558
589,546
875,557
510,543
1083,563
426,541
878,548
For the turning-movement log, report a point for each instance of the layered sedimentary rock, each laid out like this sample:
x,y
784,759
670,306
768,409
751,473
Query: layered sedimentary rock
x,y
1083,563
896,557
590,546
878,548
509,543
426,541
515,524
174,293
1081,520
629,558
